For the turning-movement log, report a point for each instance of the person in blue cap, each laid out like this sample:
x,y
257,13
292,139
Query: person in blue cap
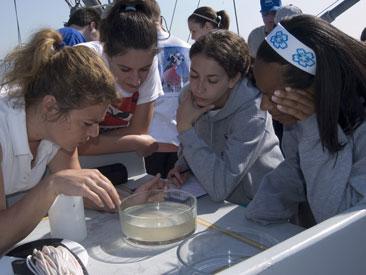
x,y
268,11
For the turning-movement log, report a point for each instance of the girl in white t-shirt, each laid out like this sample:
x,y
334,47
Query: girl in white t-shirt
x,y
52,100
128,46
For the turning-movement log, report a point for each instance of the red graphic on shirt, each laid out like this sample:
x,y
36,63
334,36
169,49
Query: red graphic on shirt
x,y
120,112
172,77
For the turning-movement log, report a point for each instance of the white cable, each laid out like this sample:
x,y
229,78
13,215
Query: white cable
x,y
52,261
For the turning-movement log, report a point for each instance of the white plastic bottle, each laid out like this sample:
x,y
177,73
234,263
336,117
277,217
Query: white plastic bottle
x,y
67,218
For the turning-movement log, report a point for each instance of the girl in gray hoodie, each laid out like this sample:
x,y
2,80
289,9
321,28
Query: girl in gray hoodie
x,y
313,79
226,141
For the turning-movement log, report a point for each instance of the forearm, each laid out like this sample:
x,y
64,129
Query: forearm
x,y
278,195
109,144
219,174
17,221
330,180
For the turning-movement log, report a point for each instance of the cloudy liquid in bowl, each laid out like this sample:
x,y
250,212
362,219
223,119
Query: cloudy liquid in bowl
x,y
158,223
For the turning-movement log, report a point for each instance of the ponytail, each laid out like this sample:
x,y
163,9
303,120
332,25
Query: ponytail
x,y
202,15
27,61
76,76
128,25
223,20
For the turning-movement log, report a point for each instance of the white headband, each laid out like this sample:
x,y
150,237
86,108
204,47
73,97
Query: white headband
x,y
208,18
291,49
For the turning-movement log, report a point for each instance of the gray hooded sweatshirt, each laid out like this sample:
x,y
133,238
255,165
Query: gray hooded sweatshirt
x,y
230,150
329,183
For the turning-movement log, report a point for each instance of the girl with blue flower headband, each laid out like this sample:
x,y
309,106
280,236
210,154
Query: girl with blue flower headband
x,y
313,80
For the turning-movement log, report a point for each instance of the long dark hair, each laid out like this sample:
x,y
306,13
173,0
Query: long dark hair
x,y
75,76
340,80
219,19
128,25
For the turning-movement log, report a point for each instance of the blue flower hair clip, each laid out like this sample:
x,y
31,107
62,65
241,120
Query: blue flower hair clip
x,y
292,50
279,40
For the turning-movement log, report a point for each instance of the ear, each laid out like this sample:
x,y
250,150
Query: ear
x,y
208,26
92,26
49,105
234,80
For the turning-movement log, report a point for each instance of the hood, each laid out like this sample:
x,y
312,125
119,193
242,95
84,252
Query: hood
x,y
243,93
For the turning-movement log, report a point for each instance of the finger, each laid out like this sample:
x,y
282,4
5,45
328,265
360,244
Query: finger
x,y
174,183
307,94
293,112
304,97
102,189
92,196
103,194
112,191
185,176
155,180
293,104
148,185
294,98
288,103
178,178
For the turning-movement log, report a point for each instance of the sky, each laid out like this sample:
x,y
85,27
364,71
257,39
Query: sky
x,y
36,14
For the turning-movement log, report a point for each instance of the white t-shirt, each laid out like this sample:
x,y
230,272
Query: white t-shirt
x,y
18,174
174,64
149,91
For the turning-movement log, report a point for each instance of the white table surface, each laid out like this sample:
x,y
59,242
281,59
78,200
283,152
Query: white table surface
x,y
109,254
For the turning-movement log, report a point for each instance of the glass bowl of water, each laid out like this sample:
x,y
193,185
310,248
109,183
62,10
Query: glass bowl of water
x,y
158,217
212,251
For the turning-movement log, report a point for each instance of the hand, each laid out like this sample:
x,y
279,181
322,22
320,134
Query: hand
x,y
176,177
188,112
144,193
297,103
89,183
155,183
145,145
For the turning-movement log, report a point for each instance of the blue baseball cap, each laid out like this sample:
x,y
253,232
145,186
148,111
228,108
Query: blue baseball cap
x,y
270,5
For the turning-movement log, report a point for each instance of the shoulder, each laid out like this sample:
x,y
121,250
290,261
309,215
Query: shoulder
x,y
185,89
247,92
167,40
68,30
259,31
246,101
359,137
71,36
175,42
94,45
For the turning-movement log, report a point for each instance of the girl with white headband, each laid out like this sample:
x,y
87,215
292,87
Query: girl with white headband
x,y
313,80
205,19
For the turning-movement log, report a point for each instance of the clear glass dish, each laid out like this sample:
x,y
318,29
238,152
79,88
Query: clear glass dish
x,y
158,217
212,250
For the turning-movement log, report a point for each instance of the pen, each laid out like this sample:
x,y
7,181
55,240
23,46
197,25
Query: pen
x,y
185,171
